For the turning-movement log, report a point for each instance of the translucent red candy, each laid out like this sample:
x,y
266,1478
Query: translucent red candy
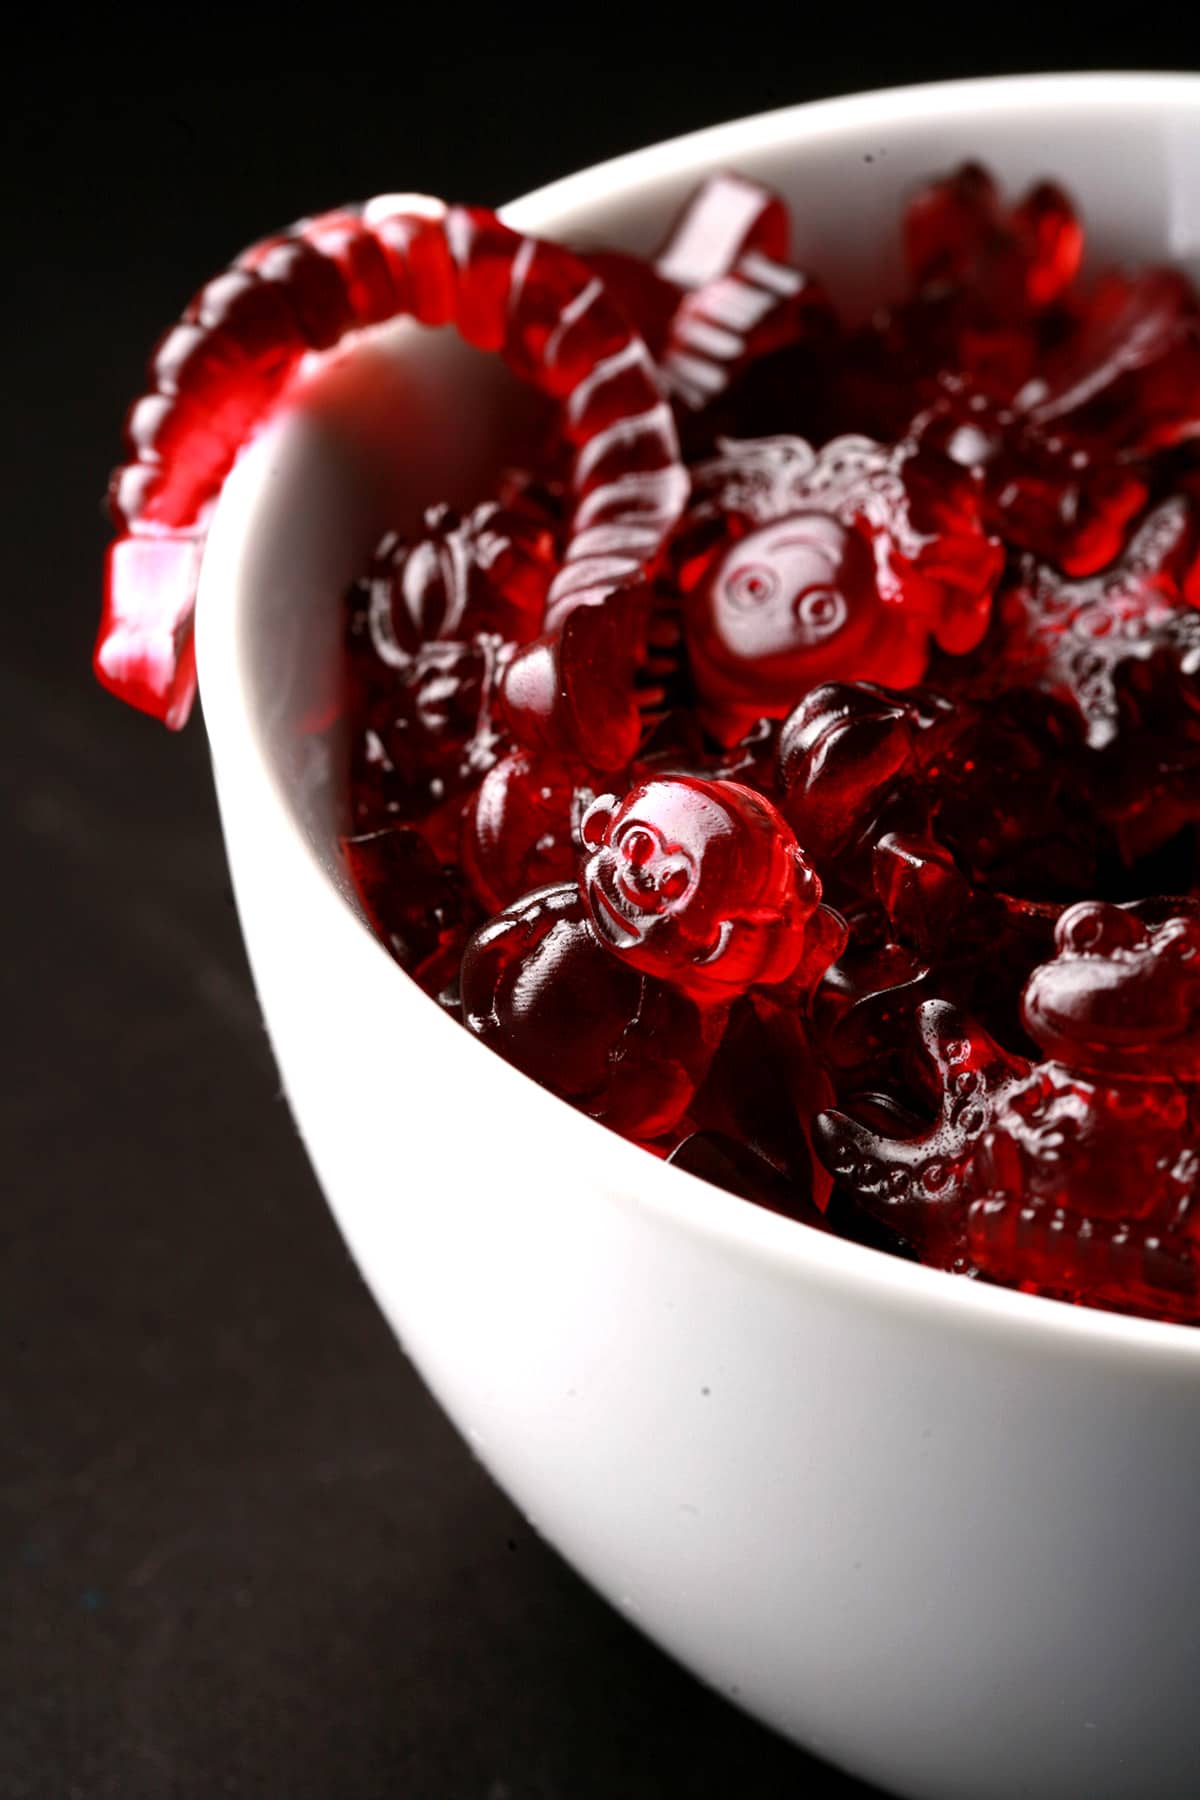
x,y
919,1184
701,883
415,904
740,298
1122,996
1077,639
796,767
520,827
538,986
428,735
959,234
218,375
799,566
488,572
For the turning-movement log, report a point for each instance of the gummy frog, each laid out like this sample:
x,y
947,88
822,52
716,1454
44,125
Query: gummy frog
x,y
1121,998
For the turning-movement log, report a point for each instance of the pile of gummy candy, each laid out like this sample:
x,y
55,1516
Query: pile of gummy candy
x,y
796,765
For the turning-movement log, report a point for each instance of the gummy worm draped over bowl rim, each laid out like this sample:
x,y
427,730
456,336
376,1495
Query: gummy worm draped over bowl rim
x,y
218,372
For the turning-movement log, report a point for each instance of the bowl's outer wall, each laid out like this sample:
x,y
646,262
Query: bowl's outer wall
x,y
950,1546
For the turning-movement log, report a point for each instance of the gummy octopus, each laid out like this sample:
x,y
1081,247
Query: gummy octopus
x,y
796,767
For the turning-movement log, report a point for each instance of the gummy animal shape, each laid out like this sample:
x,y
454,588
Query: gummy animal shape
x,y
1121,998
488,572
702,883
1078,639
540,988
800,567
959,234
519,828
919,1184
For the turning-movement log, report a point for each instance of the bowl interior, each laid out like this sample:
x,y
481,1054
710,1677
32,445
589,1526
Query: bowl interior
x,y
402,418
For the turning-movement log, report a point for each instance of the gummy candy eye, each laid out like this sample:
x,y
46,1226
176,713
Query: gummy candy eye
x,y
675,881
751,586
821,612
637,847
1094,928
1180,938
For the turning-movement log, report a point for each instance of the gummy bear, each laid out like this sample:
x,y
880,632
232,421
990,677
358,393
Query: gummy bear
x,y
702,883
540,988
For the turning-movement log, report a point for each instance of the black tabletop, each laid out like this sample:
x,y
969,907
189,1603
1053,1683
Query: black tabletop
x,y
245,1554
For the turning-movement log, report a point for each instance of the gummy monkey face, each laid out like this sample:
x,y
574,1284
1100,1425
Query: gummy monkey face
x,y
697,882
791,604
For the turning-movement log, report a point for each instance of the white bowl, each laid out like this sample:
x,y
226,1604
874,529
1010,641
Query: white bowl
x,y
942,1534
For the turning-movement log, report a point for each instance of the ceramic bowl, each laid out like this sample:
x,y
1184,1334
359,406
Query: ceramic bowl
x,y
941,1534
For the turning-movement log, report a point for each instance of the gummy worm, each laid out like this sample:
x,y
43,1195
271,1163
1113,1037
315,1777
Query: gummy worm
x,y
217,373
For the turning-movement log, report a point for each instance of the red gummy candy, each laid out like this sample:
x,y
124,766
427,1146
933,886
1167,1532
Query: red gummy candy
x,y
1040,490
740,298
430,734
1077,640
702,883
488,572
802,567
584,691
415,905
846,752
218,375
1121,998
1112,1150
539,987
1129,376
918,1184
520,827
958,234
1126,1265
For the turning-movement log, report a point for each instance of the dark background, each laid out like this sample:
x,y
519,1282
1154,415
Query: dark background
x,y
242,1552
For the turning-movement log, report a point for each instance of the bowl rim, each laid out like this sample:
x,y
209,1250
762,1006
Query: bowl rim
x,y
748,1233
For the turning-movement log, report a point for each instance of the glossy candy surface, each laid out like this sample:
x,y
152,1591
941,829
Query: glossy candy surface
x,y
796,766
